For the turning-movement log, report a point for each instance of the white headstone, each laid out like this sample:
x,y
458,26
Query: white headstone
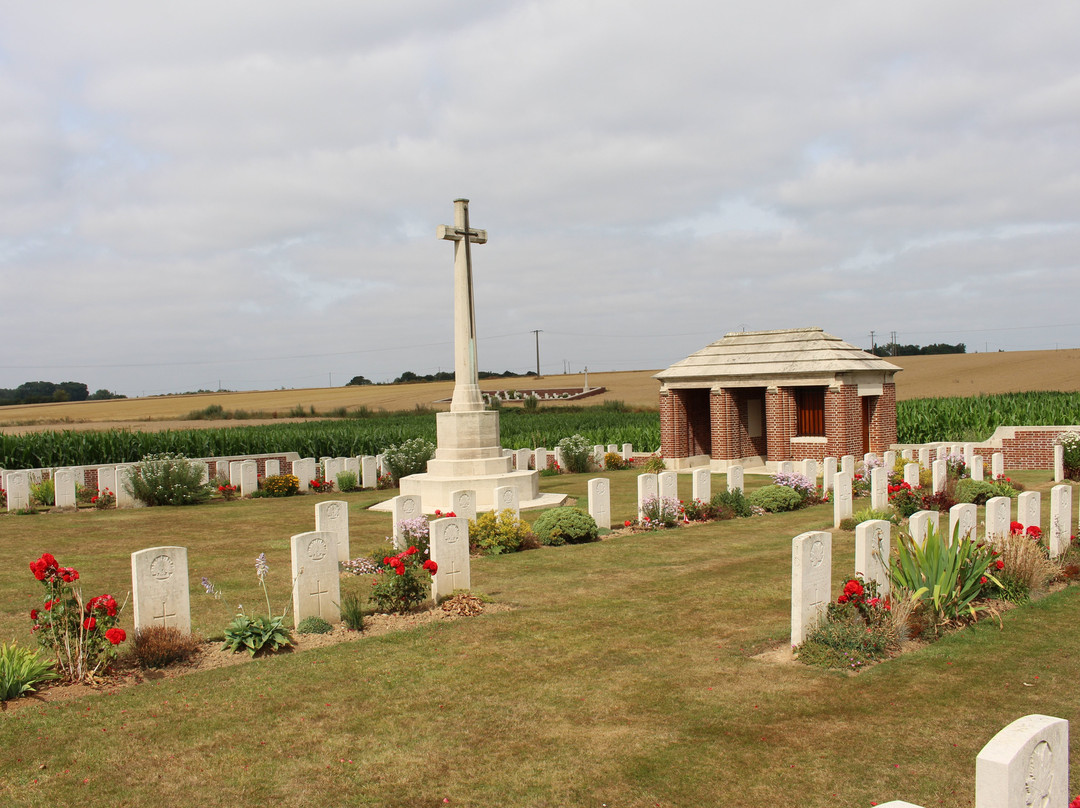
x,y
464,504
975,467
969,452
842,506
450,552
809,470
159,588
316,582
249,478
106,479
332,517
811,582
997,465
598,455
506,498
272,467
701,484
1024,765
627,451
204,471
785,467
234,472
869,459
647,486
919,525
1059,463
907,454
1060,519
405,507
1029,509
560,459
890,460
911,474
828,472
940,475
962,522
332,467
600,501
924,457
847,465
369,472
64,488
941,452
522,458
735,479
541,455
614,449
352,465
124,497
17,485
879,489
668,481
304,471
998,511
872,547
380,463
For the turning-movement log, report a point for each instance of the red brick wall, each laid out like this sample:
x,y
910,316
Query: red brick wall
x,y
668,444
780,422
809,451
1030,449
883,420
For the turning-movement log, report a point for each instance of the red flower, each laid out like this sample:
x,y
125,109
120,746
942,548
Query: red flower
x,y
983,579
115,635
842,599
1016,527
431,566
400,570
386,560
89,624
411,551
1034,531
451,515
853,588
627,523
33,614
50,603
999,564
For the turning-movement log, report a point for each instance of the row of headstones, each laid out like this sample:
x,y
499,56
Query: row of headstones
x,y
664,485
111,478
540,458
365,467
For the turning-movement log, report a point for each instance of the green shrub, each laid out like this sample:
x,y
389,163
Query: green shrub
x,y
352,611
531,403
408,457
160,646
346,481
867,514
255,634
979,491
402,582
281,485
167,479
654,465
659,511
565,525
44,492
614,462
576,452
776,498
845,640
493,534
22,670
313,624
1071,453
734,500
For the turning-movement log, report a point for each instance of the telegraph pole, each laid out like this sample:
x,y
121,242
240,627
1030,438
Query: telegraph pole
x,y
537,331
873,346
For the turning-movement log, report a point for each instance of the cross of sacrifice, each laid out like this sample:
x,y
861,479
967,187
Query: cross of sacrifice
x,y
165,615
467,396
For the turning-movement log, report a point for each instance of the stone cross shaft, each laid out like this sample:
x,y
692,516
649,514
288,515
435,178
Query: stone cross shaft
x,y
467,397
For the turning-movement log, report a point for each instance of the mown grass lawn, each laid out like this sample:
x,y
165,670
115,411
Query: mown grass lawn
x,y
624,676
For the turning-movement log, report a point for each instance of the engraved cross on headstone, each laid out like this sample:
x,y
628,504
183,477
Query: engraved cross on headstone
x,y
165,614
456,575
317,591
467,396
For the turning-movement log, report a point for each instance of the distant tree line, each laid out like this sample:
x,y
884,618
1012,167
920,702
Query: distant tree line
x,y
42,392
893,349
442,376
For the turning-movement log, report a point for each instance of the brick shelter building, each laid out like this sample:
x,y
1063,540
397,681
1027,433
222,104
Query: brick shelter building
x,y
761,397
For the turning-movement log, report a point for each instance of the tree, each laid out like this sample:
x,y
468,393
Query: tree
x,y
359,380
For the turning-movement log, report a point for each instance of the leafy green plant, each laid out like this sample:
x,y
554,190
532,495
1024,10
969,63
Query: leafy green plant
x,y
775,498
313,624
733,500
352,611
44,492
161,646
408,457
945,578
347,481
255,634
1070,443
565,525
167,479
654,465
979,491
402,582
658,512
613,461
22,670
82,636
866,514
103,499
576,451
531,404
505,532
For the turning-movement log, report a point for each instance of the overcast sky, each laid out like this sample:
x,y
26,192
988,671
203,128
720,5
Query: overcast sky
x,y
247,193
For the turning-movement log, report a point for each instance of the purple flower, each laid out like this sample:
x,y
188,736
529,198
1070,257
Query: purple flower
x,y
261,567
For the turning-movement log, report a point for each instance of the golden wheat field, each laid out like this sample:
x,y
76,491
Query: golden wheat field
x,y
922,377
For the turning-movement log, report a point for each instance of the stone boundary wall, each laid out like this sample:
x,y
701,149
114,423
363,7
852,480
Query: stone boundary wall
x,y
1023,447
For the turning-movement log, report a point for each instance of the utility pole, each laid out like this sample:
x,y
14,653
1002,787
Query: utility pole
x,y
873,345
895,347
537,331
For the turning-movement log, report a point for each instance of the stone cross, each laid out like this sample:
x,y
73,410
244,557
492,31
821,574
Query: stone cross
x,y
315,575
159,588
467,397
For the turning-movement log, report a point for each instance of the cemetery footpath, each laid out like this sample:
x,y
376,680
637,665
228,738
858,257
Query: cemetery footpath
x,y
638,665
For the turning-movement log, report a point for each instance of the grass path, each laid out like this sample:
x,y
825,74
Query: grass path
x,y
625,676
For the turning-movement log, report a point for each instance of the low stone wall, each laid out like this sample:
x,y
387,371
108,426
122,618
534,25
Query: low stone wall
x,y
1023,447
